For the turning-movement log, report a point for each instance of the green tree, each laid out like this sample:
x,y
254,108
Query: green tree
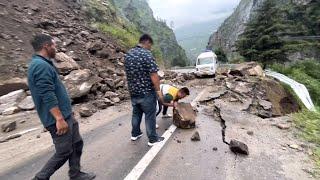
x,y
221,55
260,40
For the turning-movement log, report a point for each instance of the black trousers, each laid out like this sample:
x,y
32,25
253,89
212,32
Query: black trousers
x,y
68,147
160,107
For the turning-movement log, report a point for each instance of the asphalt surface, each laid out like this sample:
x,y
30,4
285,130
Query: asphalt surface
x,y
110,154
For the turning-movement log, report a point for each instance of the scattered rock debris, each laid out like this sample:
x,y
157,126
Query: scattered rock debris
x,y
85,112
195,136
283,126
7,127
250,133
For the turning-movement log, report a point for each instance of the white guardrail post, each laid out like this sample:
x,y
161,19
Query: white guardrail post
x,y
301,91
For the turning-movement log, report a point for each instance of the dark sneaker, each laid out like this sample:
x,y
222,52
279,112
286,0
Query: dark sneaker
x,y
84,176
134,138
155,142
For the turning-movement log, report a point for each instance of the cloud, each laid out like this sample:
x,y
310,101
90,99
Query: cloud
x,y
186,12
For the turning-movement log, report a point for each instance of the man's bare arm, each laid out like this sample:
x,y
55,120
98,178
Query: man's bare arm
x,y
61,124
155,81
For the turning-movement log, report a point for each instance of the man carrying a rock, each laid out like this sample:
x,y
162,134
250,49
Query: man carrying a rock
x,y
144,86
55,112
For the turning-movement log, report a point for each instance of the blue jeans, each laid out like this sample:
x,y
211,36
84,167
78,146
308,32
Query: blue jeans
x,y
144,104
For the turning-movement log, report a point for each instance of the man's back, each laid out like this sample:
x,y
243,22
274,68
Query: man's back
x,y
139,64
169,92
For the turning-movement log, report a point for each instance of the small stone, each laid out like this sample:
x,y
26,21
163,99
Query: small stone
x,y
178,141
233,99
100,104
110,94
195,136
115,100
283,126
120,124
38,136
238,147
250,133
214,149
11,110
7,127
294,146
85,112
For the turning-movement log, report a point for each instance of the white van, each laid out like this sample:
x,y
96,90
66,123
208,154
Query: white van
x,y
206,64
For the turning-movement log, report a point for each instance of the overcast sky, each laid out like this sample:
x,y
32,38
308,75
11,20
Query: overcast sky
x,y
186,12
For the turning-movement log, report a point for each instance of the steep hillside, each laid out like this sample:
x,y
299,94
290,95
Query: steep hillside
x,y
76,25
282,32
298,16
140,15
65,21
227,34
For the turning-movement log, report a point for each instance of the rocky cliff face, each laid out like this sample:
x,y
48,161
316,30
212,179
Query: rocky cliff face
x,y
229,31
233,26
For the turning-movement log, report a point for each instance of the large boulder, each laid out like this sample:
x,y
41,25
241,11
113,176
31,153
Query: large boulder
x,y
94,47
11,100
26,104
80,82
13,84
238,147
184,116
65,64
249,69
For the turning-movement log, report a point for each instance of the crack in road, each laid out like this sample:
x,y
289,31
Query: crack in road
x,y
223,125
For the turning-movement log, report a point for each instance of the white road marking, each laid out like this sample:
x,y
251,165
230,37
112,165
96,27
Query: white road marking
x,y
137,171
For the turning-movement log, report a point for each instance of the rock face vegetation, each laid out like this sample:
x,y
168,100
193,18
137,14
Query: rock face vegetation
x,y
270,31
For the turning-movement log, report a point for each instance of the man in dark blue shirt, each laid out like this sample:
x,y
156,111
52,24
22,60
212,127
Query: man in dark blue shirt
x,y
55,112
144,85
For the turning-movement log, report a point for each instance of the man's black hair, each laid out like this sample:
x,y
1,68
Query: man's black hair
x,y
185,90
40,40
146,37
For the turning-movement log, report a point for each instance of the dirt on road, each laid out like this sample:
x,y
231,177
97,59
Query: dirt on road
x,y
275,152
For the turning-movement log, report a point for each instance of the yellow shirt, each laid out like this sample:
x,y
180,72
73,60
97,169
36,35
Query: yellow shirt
x,y
170,93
